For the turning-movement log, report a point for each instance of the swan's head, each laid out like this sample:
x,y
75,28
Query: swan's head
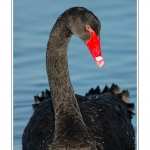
x,y
86,26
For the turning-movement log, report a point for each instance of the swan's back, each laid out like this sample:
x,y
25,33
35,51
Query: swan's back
x,y
107,116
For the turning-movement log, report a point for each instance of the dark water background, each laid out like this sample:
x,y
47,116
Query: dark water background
x,y
32,23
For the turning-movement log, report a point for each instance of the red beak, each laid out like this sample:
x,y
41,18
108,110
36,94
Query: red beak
x,y
94,46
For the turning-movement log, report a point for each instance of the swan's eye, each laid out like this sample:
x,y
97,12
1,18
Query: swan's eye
x,y
88,28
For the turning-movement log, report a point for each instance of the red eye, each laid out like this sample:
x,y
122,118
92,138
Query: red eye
x,y
88,27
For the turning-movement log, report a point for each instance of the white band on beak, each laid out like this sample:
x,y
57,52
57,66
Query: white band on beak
x,y
98,58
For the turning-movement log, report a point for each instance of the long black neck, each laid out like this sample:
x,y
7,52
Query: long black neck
x,y
67,113
57,68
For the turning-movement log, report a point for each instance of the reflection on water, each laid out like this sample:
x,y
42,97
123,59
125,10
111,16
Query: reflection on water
x,y
32,25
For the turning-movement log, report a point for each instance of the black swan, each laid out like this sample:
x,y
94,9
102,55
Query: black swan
x,y
62,120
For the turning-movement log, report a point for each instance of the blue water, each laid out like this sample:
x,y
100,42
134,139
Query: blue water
x,y
33,21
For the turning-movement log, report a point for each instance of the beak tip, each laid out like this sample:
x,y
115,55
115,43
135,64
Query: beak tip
x,y
100,63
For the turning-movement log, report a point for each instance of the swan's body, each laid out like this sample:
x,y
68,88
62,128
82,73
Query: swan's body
x,y
63,120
